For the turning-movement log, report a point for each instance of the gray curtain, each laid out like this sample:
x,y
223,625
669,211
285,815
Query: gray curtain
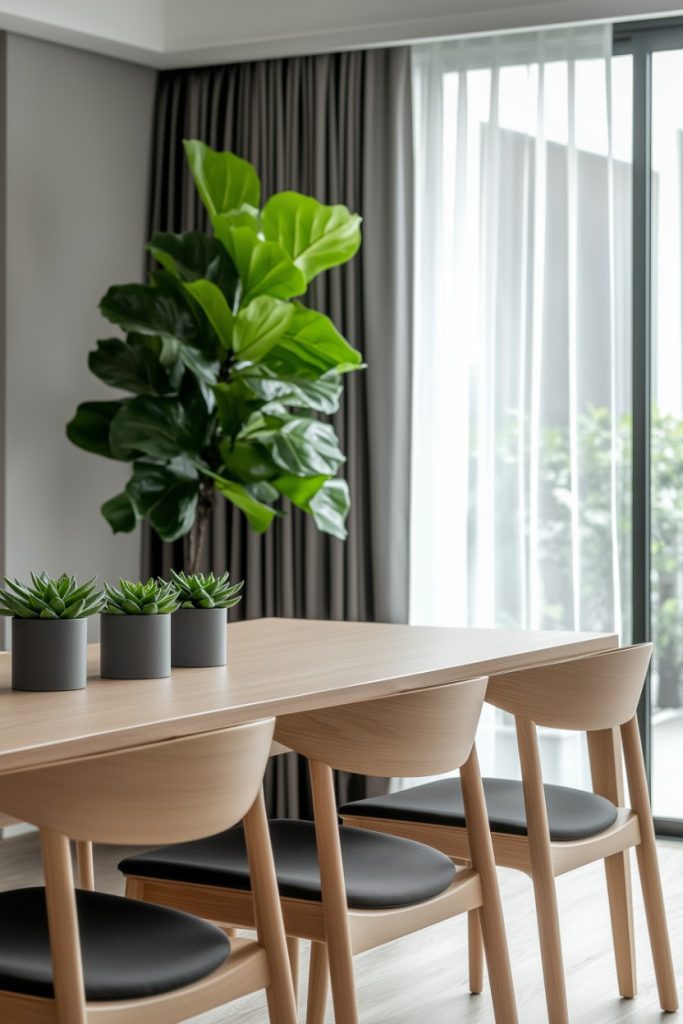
x,y
337,126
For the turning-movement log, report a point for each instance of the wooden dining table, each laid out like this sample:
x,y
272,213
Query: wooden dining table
x,y
275,666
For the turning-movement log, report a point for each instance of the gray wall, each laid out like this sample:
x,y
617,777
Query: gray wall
x,y
77,158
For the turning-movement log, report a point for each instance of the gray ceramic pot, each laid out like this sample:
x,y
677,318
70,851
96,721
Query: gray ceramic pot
x,y
49,654
198,637
135,646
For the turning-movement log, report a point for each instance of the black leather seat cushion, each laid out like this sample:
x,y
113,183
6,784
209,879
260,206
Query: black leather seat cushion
x,y
129,949
572,813
380,871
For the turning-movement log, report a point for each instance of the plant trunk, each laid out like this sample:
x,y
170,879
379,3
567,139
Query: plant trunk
x,y
194,542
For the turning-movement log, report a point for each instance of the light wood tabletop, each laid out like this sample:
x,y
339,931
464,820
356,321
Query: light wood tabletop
x,y
275,666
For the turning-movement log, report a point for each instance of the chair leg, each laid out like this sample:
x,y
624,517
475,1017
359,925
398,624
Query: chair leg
x,y
293,953
318,983
333,889
86,867
618,877
648,868
475,945
65,947
135,889
542,873
268,914
551,944
491,912
604,748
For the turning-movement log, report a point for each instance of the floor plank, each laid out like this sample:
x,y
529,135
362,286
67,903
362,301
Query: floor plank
x,y
427,973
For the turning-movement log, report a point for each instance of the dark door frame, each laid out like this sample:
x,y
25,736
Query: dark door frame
x,y
641,40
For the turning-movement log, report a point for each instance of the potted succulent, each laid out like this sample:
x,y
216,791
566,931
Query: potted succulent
x,y
136,630
198,628
49,631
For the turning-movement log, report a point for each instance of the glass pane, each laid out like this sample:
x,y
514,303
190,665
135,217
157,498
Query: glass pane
x,y
667,433
522,417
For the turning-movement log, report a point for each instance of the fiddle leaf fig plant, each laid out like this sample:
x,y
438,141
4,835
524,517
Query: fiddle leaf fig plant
x,y
227,375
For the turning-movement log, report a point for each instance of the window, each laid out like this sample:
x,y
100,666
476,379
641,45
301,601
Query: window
x,y
548,394
657,53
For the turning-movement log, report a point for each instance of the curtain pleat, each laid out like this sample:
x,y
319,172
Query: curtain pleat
x,y
339,127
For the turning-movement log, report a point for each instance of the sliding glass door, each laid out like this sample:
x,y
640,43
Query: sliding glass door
x,y
666,432
657,52
548,395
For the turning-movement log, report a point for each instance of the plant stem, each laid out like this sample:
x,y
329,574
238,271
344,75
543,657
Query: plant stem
x,y
193,542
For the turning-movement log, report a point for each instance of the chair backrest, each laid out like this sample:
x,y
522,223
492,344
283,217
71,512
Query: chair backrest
x,y
167,792
600,691
422,732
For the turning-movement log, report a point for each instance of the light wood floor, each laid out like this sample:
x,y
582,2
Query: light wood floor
x,y
423,979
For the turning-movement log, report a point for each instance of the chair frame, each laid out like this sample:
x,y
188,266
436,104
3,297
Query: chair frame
x,y
430,730
95,797
604,692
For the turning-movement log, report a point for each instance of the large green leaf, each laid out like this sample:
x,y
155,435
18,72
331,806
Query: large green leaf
x,y
234,404
165,497
259,326
177,356
330,508
264,491
264,267
147,309
160,427
326,499
248,462
245,217
223,180
120,513
204,368
318,393
312,345
316,236
91,426
299,489
195,255
131,365
307,447
216,307
205,338
302,446
259,515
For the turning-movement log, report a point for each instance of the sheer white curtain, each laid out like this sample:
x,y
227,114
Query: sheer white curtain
x,y
520,462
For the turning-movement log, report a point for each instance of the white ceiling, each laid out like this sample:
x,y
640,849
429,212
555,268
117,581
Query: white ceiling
x,y
185,33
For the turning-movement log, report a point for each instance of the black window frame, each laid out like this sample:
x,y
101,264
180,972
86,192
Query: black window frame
x,y
641,39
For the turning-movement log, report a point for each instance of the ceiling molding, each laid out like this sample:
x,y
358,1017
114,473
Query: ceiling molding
x,y
82,41
172,33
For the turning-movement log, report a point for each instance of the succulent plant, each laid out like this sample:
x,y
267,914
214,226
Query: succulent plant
x,y
200,591
151,598
48,598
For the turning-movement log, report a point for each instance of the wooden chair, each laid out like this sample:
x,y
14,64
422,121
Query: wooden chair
x,y
350,890
547,831
71,957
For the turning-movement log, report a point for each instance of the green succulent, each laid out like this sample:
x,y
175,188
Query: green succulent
x,y
151,598
49,598
200,591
